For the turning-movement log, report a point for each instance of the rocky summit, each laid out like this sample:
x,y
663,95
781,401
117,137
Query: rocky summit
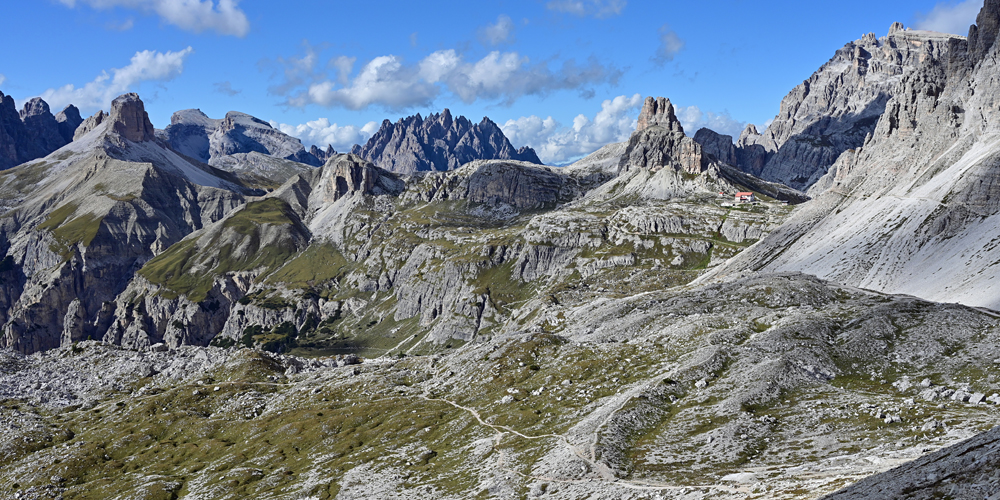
x,y
438,143
33,132
212,311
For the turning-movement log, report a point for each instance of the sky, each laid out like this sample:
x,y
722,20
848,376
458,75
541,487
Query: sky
x,y
562,76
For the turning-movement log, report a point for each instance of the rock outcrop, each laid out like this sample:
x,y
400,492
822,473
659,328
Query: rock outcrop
x,y
658,111
438,143
86,217
964,470
659,142
129,120
914,210
34,132
43,129
717,145
69,120
322,154
91,123
838,106
242,133
257,153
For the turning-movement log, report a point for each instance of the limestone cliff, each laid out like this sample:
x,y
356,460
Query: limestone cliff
x,y
913,210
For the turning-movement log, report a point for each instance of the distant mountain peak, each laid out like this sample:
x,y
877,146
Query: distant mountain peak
x,y
437,143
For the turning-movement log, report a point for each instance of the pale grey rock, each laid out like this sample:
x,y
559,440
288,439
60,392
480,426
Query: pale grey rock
x,y
91,123
838,106
658,111
257,153
920,191
134,199
964,470
242,133
659,142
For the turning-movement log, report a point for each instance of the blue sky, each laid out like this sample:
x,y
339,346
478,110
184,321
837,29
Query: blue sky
x,y
563,76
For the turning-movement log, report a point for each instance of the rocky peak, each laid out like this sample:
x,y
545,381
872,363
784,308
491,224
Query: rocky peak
x,y
659,142
439,142
840,104
983,34
35,107
323,155
658,111
748,132
42,127
69,120
129,119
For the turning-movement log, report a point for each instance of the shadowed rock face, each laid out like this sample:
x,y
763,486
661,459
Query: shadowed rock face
x,y
983,34
68,119
438,143
34,132
718,145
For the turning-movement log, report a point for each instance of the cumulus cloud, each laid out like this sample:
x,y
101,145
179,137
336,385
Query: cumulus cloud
x,y
495,34
322,133
389,82
221,16
123,26
692,118
226,88
595,8
145,66
558,144
670,45
950,17
296,70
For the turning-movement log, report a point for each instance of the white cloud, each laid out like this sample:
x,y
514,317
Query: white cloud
x,y
123,26
343,65
596,8
495,34
322,133
222,16
692,118
226,88
670,45
2,78
388,82
384,81
557,144
145,66
950,17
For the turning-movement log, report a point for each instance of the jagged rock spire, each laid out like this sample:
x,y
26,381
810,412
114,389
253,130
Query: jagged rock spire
x,y
658,111
129,119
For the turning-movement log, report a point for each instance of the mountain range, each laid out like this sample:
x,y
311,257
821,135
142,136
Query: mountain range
x,y
212,310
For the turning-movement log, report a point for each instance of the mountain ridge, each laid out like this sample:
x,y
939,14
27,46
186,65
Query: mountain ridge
x,y
438,143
